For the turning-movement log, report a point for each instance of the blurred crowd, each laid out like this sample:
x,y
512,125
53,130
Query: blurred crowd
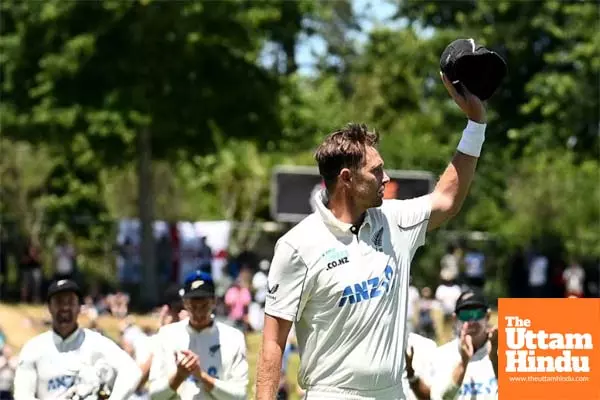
x,y
242,291
531,274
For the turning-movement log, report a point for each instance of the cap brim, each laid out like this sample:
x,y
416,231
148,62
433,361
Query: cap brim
x,y
473,303
198,295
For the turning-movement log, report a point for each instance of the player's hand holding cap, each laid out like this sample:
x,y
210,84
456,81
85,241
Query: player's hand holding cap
x,y
479,69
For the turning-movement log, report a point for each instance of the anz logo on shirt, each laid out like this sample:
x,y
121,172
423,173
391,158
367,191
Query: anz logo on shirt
x,y
473,388
369,289
61,382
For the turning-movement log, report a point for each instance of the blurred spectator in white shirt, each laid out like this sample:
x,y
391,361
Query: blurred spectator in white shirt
x,y
449,264
447,294
574,277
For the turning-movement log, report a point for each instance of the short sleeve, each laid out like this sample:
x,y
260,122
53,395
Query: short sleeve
x,y
286,283
412,218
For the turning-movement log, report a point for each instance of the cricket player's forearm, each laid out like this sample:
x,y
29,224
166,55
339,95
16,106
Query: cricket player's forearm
x,y
269,369
128,378
228,390
145,368
451,388
421,390
456,180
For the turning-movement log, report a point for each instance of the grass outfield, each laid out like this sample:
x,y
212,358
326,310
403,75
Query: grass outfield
x,y
22,322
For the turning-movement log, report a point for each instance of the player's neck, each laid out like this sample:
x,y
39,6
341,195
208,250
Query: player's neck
x,y
344,209
65,332
200,326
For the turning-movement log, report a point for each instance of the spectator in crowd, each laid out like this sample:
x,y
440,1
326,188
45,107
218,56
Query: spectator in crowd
x,y
8,366
474,262
238,298
450,264
256,309
574,278
164,257
129,266
259,281
412,315
427,307
30,270
118,304
446,294
63,258
205,256
518,275
172,310
538,274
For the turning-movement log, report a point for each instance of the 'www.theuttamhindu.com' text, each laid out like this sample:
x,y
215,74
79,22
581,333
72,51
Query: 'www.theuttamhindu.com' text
x,y
542,379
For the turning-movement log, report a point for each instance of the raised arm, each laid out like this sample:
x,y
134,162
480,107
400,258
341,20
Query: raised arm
x,y
453,186
275,334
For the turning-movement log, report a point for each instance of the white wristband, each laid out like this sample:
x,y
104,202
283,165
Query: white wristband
x,y
472,139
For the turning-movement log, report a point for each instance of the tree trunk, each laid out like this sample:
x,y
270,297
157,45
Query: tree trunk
x,y
148,289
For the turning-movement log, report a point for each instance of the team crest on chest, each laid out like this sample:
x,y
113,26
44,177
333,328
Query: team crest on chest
x,y
377,240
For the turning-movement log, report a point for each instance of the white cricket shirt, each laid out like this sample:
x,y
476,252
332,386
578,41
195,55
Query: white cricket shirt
x,y
50,365
424,349
479,383
222,352
348,295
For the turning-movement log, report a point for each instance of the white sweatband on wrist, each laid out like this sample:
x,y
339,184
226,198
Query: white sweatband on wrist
x,y
472,139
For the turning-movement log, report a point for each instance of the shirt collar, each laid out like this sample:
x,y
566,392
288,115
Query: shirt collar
x,y
327,216
191,330
59,340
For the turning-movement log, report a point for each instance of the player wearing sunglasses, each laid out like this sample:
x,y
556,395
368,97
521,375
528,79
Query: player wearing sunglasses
x,y
467,367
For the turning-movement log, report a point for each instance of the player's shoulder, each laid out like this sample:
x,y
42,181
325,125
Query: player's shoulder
x,y
303,231
170,329
448,350
97,339
37,343
305,240
393,207
419,341
228,332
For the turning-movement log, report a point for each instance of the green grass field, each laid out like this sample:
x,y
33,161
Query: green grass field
x,y
21,322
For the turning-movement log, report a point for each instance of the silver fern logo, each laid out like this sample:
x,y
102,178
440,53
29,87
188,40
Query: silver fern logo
x,y
378,240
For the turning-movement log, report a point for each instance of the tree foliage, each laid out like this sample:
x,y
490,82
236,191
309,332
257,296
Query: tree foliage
x,y
81,79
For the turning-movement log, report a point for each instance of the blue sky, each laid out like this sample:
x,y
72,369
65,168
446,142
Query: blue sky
x,y
375,13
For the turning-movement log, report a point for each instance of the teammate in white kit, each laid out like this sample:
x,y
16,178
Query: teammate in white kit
x,y
199,358
467,368
342,274
69,362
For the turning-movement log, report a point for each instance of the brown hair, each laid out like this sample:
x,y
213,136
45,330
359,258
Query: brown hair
x,y
345,148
